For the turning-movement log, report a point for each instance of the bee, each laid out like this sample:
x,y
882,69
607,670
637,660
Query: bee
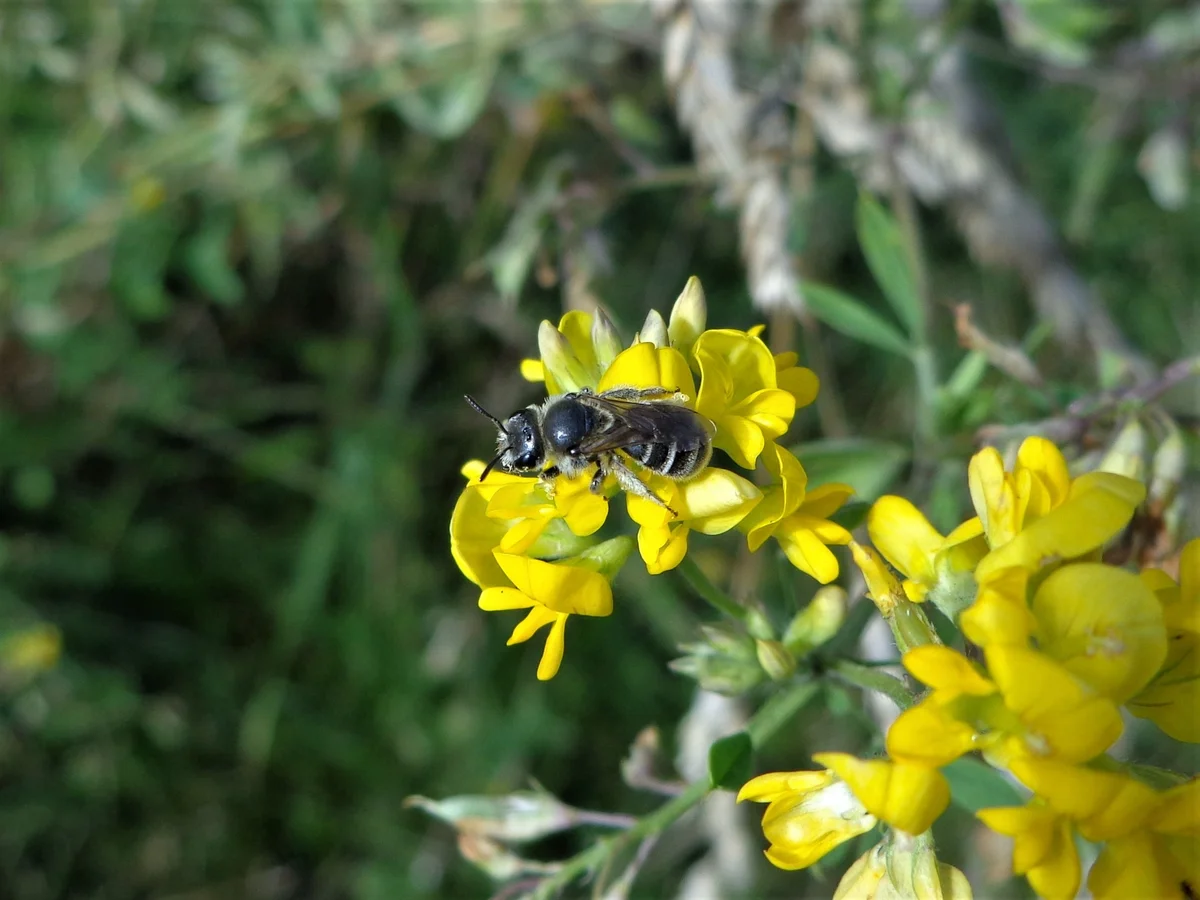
x,y
572,432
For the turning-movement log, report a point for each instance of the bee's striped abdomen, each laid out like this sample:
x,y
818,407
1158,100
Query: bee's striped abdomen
x,y
669,460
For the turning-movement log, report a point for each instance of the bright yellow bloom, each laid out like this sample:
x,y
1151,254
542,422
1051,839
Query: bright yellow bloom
x,y
740,393
1162,859
798,518
1000,613
713,502
1036,515
809,814
1043,848
552,591
1029,706
929,561
802,383
1103,624
902,867
1172,697
1152,838
907,796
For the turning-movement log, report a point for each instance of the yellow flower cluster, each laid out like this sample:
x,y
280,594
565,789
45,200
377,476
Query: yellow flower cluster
x,y
1065,642
532,545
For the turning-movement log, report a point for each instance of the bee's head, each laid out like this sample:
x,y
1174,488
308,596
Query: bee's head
x,y
518,441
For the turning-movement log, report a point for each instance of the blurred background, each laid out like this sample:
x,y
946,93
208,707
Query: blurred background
x,y
252,254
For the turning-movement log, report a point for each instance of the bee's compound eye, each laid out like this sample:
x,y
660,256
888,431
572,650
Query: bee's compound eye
x,y
527,460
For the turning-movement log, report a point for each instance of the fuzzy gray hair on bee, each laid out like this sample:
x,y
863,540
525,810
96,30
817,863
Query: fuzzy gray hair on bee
x,y
569,433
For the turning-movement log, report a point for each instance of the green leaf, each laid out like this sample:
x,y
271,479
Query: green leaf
x,y
851,317
729,761
446,109
883,245
207,257
975,786
868,466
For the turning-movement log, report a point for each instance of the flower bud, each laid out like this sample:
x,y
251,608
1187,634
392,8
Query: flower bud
x,y
563,369
688,316
902,865
605,340
724,662
910,626
1126,455
817,622
758,626
518,817
607,557
496,860
775,659
654,331
1167,468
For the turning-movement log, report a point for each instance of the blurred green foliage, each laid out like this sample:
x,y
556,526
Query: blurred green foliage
x,y
252,253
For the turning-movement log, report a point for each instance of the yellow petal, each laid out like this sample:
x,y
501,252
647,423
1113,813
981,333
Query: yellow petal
x,y
576,327
751,365
644,365
533,370
1178,811
1104,625
1103,804
1172,698
826,499
496,599
798,381
770,409
473,537
537,618
689,315
1137,866
947,671
1044,459
904,536
908,797
1052,704
670,554
1087,520
552,652
1189,572
558,586
991,495
773,785
1000,614
715,500
927,734
805,551
1043,849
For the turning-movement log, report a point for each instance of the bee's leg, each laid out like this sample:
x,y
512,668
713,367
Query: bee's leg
x,y
598,478
641,394
551,472
630,483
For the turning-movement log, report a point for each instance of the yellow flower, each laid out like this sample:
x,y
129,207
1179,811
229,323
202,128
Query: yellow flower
x,y
929,561
1152,838
802,383
1029,706
31,650
552,591
907,796
739,392
809,814
1104,625
515,514
902,867
1000,613
1043,848
798,518
1172,697
1162,859
713,502
1036,515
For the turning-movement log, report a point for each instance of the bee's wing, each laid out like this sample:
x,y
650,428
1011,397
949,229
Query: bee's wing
x,y
641,422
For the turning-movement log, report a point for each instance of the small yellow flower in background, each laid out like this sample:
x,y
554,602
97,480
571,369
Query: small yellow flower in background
x,y
809,814
928,561
902,867
798,518
1172,697
31,650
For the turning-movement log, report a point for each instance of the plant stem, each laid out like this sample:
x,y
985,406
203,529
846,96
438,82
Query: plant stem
x,y
702,585
872,679
764,725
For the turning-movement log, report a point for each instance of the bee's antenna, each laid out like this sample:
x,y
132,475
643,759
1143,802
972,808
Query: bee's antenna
x,y
483,412
488,468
